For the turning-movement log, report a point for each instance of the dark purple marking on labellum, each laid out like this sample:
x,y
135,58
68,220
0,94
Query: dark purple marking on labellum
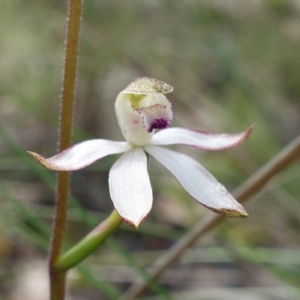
x,y
158,124
155,116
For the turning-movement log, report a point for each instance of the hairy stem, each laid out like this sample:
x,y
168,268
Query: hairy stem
x,y
57,280
243,193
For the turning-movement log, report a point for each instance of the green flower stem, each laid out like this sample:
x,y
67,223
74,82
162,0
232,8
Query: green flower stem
x,y
89,244
58,280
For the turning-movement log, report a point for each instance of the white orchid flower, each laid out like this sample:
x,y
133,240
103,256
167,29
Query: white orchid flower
x,y
141,109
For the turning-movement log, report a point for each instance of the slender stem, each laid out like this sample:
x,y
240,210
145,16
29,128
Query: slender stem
x,y
243,193
90,243
57,280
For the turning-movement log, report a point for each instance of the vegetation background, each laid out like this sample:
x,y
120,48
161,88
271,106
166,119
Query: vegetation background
x,y
232,63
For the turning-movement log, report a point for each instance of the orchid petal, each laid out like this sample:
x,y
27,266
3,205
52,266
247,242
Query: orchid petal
x,y
130,187
199,139
81,155
198,182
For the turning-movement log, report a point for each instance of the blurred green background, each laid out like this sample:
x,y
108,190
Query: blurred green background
x,y
232,63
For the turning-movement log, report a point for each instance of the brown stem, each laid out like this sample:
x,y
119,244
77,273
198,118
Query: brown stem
x,y
57,280
243,193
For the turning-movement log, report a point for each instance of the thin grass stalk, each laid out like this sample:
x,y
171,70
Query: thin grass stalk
x,y
58,280
243,193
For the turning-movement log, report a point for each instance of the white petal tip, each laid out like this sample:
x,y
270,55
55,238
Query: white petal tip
x,y
134,224
232,213
44,162
247,133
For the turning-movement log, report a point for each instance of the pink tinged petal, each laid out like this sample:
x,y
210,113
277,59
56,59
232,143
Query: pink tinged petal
x,y
157,116
130,187
199,139
198,182
81,155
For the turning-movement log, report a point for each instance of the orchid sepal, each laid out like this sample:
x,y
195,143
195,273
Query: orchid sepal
x,y
198,182
200,139
130,187
81,155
